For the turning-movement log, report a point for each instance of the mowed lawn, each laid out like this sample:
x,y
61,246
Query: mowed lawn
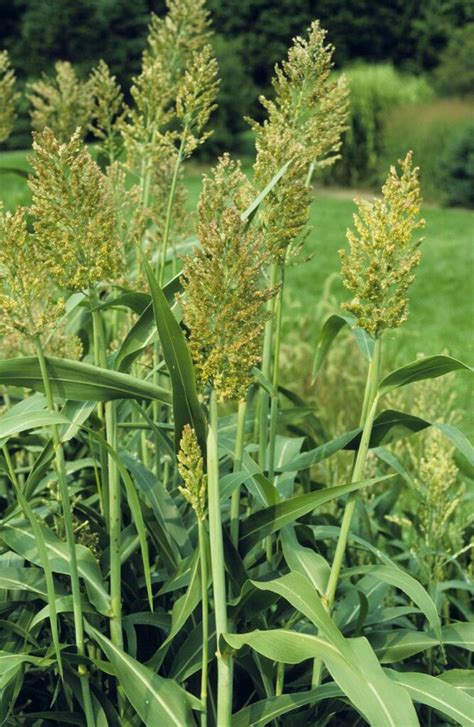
x,y
441,300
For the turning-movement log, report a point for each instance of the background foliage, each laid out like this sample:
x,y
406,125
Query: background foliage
x,y
431,38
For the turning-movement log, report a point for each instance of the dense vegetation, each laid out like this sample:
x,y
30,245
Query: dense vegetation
x,y
189,532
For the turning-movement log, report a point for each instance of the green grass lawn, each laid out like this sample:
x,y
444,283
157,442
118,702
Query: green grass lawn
x,y
441,299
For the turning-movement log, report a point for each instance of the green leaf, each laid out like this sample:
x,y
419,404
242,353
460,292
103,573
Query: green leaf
x,y
78,381
366,687
9,661
271,519
20,538
461,679
251,210
186,406
305,560
143,331
265,711
419,370
329,331
438,694
406,583
156,700
182,610
14,422
25,579
299,592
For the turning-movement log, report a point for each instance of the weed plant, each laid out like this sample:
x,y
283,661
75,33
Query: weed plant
x,y
175,544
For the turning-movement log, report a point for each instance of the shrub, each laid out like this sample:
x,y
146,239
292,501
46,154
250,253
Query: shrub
x,y
374,91
426,129
456,168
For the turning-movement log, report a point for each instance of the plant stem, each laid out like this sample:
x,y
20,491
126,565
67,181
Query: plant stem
x,y
238,452
114,496
276,376
43,554
369,408
263,398
224,660
69,529
205,618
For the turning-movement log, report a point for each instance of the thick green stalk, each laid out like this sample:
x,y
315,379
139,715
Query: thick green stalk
x,y
114,496
43,554
238,452
276,376
263,398
202,537
69,529
224,660
369,409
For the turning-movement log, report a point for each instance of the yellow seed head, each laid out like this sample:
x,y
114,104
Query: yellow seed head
x,y
63,103
74,214
107,109
304,123
378,269
191,469
223,303
8,96
27,303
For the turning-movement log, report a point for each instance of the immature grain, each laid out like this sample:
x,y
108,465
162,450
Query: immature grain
x,y
378,269
74,214
191,469
304,123
8,96
223,303
63,103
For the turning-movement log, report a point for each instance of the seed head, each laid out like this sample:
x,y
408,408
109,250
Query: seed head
x,y
304,123
196,97
378,268
74,214
107,110
191,469
27,304
8,97
63,104
223,303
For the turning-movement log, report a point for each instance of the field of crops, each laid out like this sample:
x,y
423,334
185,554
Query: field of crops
x,y
235,481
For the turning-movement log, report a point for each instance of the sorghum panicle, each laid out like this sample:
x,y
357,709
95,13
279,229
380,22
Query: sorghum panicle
x,y
63,103
191,469
378,269
223,303
26,305
107,109
74,215
304,123
8,96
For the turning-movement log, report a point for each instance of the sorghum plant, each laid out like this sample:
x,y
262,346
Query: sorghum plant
x,y
8,96
167,554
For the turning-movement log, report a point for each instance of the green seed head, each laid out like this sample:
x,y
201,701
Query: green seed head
x,y
63,103
304,123
27,303
8,96
378,269
74,214
191,469
223,303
